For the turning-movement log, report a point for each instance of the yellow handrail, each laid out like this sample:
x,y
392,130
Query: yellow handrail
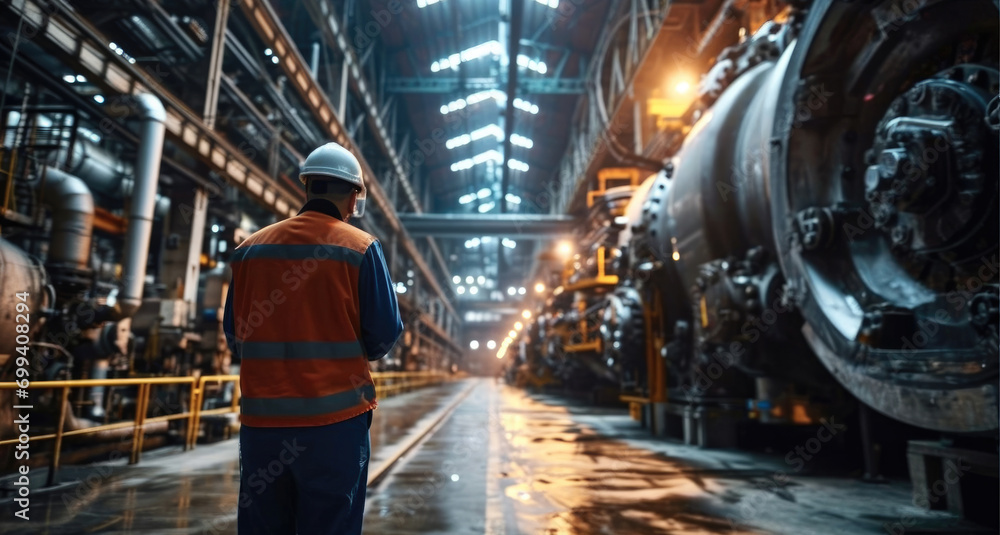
x,y
386,384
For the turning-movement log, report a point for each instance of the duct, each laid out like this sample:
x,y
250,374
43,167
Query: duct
x,y
72,208
140,224
104,172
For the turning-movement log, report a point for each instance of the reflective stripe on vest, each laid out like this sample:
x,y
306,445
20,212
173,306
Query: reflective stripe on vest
x,y
291,407
276,251
301,350
297,322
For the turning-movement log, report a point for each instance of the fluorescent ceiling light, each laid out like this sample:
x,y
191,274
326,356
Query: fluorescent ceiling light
x,y
466,199
489,48
521,141
493,130
424,3
532,64
551,3
495,94
486,207
513,199
509,243
483,193
517,165
488,156
522,104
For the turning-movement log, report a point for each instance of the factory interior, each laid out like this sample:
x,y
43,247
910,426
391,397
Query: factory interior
x,y
663,266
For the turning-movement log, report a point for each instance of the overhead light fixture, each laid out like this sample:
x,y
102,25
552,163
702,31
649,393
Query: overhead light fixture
x,y
456,279
490,155
513,199
486,207
69,78
474,242
474,344
496,95
521,291
491,344
483,193
493,130
424,3
466,199
518,326
520,141
508,243
526,314
488,48
80,78
274,59
512,334
554,4
474,290
682,87
460,290
517,165
481,280
532,64
565,248
99,99
539,288
470,279
524,105
511,291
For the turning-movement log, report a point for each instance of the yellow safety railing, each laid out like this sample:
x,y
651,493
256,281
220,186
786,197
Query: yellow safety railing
x,y
386,384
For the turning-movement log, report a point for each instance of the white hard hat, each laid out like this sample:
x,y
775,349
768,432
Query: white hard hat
x,y
334,161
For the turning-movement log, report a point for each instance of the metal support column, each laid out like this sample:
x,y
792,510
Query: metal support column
x,y
215,65
191,273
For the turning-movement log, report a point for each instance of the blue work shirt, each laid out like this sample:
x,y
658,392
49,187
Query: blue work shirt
x,y
381,325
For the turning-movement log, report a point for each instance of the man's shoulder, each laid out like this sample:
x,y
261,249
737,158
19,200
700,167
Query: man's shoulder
x,y
347,235
264,235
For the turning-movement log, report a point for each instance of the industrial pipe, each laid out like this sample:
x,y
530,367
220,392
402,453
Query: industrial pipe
x,y
72,208
140,224
20,276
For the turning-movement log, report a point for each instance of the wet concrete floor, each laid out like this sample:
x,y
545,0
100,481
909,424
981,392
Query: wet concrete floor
x,y
503,462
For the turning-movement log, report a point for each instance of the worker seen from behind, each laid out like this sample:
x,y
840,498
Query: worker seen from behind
x,y
310,304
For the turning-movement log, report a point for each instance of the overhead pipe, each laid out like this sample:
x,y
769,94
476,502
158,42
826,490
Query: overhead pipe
x,y
104,172
72,207
140,223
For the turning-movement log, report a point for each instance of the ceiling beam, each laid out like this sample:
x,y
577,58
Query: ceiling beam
x,y
516,226
526,86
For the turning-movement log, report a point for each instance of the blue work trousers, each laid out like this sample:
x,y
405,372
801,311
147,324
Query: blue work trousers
x,y
304,480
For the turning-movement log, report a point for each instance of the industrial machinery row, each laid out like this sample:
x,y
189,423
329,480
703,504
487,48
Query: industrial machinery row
x,y
827,226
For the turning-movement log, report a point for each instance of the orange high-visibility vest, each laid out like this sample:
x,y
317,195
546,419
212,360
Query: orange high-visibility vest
x,y
297,321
